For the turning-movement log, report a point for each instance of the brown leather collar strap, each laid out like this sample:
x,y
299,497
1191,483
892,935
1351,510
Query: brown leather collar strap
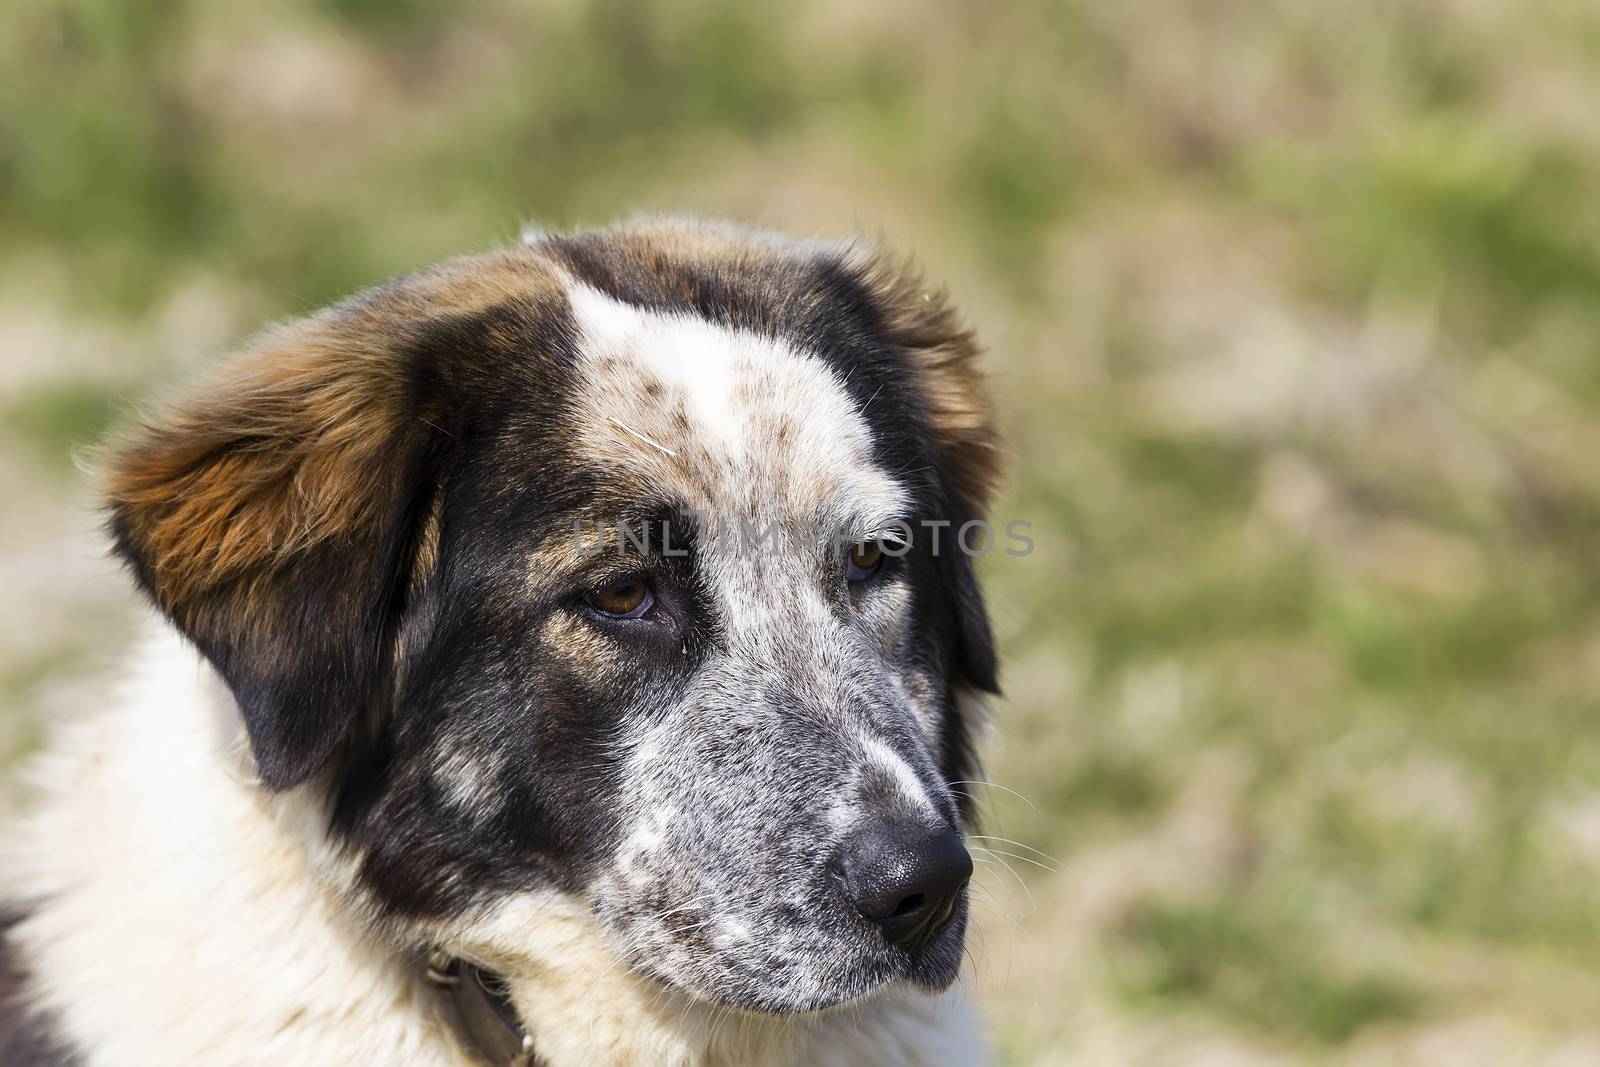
x,y
478,1005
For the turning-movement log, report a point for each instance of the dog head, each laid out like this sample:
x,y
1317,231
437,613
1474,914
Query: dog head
x,y
619,568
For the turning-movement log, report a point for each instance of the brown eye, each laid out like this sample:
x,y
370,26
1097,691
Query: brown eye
x,y
865,559
626,599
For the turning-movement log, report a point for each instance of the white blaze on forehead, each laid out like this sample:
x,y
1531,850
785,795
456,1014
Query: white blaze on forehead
x,y
720,414
699,361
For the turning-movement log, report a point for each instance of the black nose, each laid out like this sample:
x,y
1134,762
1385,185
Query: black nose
x,y
906,880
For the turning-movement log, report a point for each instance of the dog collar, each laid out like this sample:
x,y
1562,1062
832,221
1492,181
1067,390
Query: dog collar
x,y
480,1007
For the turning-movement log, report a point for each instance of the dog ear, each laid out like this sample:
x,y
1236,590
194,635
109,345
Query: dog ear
x,y
273,515
919,321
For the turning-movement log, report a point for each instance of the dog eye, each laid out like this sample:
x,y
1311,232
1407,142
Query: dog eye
x,y
865,559
625,599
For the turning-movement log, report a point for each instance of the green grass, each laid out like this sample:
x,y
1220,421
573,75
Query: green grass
x,y
1261,970
57,420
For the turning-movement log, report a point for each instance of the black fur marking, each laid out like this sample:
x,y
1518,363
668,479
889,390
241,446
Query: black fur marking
x,y
27,1037
471,677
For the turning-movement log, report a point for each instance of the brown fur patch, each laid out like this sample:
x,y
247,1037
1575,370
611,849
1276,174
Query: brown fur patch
x,y
281,513
920,320
289,446
661,239
281,452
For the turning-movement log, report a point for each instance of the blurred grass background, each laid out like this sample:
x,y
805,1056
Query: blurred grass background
x,y
1294,311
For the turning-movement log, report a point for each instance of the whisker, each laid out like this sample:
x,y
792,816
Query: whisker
x,y
1051,867
995,785
1032,904
999,909
1008,841
619,424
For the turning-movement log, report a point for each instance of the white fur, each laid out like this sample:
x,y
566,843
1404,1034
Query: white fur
x,y
691,354
584,1010
174,913
178,914
737,390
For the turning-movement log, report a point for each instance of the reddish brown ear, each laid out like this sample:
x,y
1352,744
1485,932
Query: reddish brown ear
x,y
268,515
943,354
921,322
276,514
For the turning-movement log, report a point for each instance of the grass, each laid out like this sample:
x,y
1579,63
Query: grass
x,y
1292,313
1260,970
57,419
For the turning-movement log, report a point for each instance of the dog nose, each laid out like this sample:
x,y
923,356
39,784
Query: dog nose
x,y
906,880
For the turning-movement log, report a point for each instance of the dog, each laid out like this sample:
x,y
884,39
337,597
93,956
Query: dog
x,y
420,764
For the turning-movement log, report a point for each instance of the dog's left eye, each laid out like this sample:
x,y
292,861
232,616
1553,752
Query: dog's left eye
x,y
625,599
865,560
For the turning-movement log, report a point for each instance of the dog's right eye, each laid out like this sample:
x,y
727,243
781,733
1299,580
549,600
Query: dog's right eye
x,y
625,599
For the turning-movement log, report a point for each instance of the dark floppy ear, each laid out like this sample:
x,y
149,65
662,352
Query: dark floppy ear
x,y
920,322
273,514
